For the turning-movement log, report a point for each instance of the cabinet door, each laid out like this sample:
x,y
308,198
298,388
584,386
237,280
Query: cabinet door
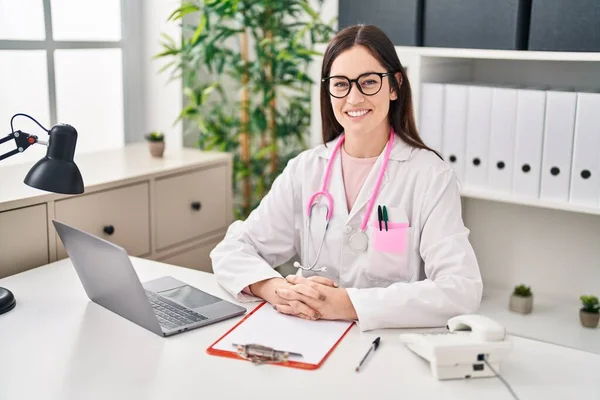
x,y
121,216
190,205
23,239
197,257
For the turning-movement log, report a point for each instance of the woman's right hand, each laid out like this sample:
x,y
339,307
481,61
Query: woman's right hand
x,y
267,290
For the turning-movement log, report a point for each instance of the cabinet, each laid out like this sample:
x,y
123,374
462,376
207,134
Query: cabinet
x,y
23,239
119,215
196,257
174,209
190,205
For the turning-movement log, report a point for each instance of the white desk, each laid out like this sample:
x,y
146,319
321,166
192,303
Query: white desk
x,y
56,344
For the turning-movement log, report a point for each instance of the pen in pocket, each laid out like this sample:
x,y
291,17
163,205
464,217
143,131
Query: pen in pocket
x,y
385,218
379,216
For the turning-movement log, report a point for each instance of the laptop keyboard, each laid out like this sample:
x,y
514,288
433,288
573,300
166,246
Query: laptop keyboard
x,y
172,315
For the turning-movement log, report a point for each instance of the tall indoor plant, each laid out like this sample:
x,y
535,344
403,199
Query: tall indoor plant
x,y
244,66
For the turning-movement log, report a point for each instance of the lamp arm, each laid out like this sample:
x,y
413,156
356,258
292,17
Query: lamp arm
x,y
23,141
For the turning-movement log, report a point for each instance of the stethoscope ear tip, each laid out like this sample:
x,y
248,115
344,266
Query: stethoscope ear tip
x,y
297,264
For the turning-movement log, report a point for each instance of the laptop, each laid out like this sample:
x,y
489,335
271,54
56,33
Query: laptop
x,y
165,306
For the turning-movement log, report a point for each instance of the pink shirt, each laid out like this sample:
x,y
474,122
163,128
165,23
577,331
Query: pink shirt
x,y
354,172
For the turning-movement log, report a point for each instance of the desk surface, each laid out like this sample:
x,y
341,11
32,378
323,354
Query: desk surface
x,y
56,344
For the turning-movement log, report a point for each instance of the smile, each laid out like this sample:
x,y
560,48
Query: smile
x,y
359,113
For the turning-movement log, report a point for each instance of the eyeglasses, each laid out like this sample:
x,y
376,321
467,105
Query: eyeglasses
x,y
369,84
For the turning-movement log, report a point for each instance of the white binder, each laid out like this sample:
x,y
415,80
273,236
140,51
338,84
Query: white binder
x,y
502,139
432,115
529,138
585,171
558,145
479,107
454,131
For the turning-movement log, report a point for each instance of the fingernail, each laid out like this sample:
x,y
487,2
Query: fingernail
x,y
316,315
275,308
321,297
335,284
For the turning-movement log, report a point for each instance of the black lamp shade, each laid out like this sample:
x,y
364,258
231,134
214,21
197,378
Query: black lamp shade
x,y
57,172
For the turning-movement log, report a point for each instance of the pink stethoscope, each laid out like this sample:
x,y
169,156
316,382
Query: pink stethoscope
x,y
359,240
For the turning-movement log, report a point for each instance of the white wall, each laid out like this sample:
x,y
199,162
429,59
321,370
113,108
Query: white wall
x,y
329,11
163,97
555,252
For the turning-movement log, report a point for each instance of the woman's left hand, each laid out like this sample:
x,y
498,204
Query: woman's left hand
x,y
332,303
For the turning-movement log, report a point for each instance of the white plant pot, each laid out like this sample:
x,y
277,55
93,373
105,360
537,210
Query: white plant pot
x,y
520,304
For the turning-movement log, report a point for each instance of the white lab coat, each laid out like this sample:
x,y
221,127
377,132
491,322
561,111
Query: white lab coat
x,y
436,278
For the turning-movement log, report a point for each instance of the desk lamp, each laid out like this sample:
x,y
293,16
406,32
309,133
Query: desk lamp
x,y
56,172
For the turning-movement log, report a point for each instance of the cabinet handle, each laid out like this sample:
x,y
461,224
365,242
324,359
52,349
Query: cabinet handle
x,y
196,205
109,229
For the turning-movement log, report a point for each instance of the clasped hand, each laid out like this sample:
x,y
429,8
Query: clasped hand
x,y
315,297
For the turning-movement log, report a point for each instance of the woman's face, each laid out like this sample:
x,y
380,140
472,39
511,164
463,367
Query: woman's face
x,y
360,114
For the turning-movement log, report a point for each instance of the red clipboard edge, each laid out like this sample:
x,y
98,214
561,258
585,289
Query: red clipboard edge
x,y
291,364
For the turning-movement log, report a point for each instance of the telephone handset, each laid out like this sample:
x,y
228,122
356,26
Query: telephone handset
x,y
478,326
462,351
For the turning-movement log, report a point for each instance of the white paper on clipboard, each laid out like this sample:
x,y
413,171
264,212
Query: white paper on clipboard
x,y
267,327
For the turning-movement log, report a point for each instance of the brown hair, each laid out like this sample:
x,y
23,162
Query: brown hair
x,y
400,115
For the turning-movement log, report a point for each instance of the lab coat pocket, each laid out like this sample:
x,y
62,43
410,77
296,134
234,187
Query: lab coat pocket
x,y
389,258
392,239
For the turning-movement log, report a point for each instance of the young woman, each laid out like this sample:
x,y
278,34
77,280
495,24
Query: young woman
x,y
373,214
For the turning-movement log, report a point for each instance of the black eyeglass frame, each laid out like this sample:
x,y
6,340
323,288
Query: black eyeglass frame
x,y
380,74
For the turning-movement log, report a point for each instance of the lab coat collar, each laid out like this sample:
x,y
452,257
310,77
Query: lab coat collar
x,y
400,150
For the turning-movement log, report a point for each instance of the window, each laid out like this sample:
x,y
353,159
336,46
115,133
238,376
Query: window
x,y
70,61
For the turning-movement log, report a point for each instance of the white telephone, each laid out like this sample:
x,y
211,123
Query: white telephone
x,y
463,349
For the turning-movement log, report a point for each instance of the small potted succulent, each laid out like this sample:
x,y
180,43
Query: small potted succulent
x,y
521,300
590,312
156,143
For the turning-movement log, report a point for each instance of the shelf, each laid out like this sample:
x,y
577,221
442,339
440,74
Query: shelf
x,y
552,320
501,54
486,54
503,198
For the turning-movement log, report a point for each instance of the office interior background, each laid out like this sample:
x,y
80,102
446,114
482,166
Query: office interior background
x,y
507,91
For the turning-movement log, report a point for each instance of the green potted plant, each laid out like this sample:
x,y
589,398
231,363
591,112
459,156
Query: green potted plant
x,y
156,143
521,300
590,312
244,66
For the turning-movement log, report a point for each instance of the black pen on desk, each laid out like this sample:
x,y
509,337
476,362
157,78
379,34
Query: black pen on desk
x,y
372,349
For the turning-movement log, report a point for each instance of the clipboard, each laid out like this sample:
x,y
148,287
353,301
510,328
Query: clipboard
x,y
267,336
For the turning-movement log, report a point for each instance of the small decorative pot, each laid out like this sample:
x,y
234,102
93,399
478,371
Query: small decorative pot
x,y
156,148
520,304
588,319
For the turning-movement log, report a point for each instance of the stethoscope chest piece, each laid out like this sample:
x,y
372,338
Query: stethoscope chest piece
x,y
358,242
